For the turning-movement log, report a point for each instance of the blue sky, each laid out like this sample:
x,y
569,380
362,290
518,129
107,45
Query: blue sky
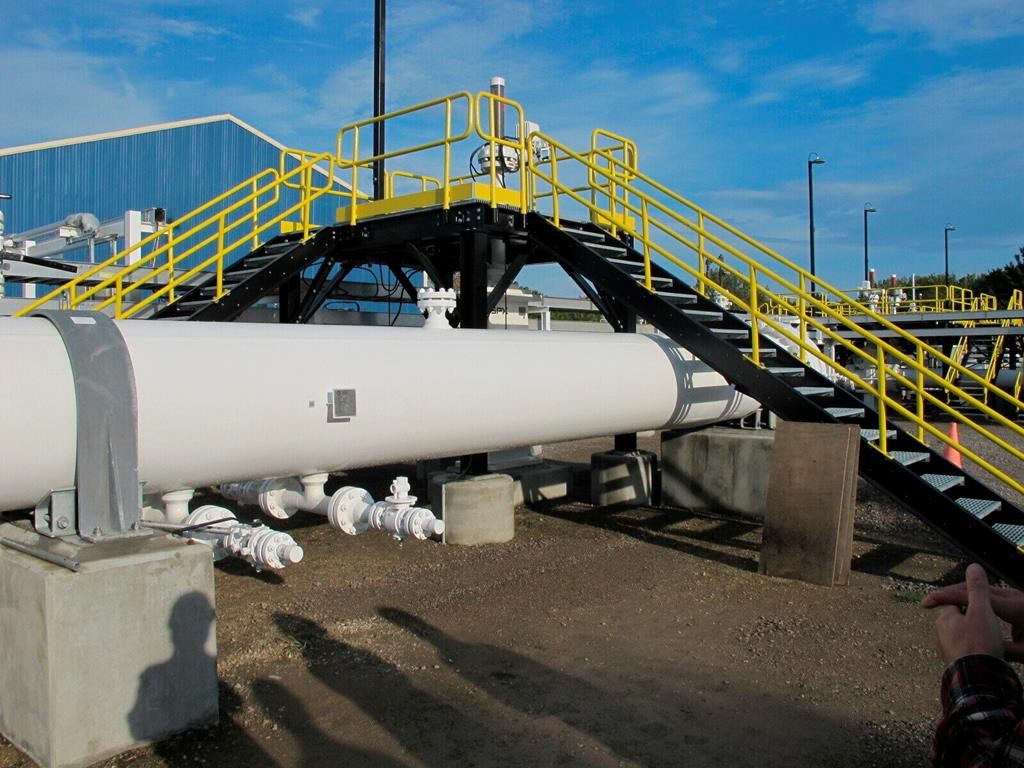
x,y
917,105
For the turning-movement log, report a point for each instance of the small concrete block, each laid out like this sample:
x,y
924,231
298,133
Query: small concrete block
x,y
808,532
624,477
119,654
546,482
475,510
718,469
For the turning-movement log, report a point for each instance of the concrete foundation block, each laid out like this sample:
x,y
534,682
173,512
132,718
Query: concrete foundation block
x,y
808,531
545,482
717,470
119,654
624,477
476,510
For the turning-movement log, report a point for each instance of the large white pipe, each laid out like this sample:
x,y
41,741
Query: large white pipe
x,y
222,401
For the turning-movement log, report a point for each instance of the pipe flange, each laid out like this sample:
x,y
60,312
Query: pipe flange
x,y
273,549
271,493
346,509
209,513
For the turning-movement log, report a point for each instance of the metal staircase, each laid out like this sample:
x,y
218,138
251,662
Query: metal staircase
x,y
260,273
940,493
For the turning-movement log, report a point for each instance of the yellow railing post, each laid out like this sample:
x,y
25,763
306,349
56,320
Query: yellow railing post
x,y
648,282
801,303
920,393
118,298
255,218
555,190
702,259
755,332
220,257
170,270
883,439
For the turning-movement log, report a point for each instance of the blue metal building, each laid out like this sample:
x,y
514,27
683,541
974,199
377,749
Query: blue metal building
x,y
176,166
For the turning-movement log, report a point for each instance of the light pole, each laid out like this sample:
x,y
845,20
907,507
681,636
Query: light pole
x,y
949,228
379,47
813,159
868,208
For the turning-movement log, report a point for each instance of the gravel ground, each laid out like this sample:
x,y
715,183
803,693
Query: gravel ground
x,y
636,637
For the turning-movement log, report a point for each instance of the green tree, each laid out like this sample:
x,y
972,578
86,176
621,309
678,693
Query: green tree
x,y
1001,282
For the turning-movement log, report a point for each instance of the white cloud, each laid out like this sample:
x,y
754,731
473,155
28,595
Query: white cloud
x,y
306,17
44,100
812,75
947,23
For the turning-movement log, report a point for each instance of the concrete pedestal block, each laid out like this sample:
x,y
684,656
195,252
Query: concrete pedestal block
x,y
475,510
117,655
545,482
624,477
717,470
808,530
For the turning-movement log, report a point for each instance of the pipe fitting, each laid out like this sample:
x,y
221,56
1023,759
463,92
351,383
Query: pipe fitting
x,y
176,504
261,546
353,510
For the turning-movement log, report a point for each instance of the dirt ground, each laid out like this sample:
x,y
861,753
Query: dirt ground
x,y
640,637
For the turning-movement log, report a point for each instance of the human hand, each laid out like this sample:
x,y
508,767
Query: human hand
x,y
1008,605
976,629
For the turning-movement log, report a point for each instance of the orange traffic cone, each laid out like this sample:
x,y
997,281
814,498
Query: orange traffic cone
x,y
951,454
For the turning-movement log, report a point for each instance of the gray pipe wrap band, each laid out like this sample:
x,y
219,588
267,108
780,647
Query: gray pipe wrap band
x,y
107,452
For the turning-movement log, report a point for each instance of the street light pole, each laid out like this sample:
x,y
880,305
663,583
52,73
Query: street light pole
x,y
812,159
868,208
949,228
378,96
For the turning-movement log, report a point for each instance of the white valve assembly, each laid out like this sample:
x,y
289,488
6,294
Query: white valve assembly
x,y
262,546
350,510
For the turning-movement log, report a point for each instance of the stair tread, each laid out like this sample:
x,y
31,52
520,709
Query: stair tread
x,y
763,351
942,482
687,298
1011,532
909,457
783,371
980,508
814,391
738,333
871,434
703,314
584,234
844,412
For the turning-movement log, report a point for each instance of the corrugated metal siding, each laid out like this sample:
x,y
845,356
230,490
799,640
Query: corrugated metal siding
x,y
177,169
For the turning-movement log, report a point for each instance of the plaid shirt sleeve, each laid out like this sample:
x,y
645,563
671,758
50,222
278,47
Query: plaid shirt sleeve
x,y
982,723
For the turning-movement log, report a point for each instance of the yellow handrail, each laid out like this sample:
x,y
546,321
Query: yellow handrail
x,y
487,131
425,181
919,362
357,161
190,234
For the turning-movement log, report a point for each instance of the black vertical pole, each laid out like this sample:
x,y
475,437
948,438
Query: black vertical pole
x,y
474,246
866,245
378,97
810,212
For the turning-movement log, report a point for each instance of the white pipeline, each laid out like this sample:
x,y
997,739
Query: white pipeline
x,y
220,401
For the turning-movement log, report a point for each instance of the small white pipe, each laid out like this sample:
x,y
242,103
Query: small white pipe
x,y
176,504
